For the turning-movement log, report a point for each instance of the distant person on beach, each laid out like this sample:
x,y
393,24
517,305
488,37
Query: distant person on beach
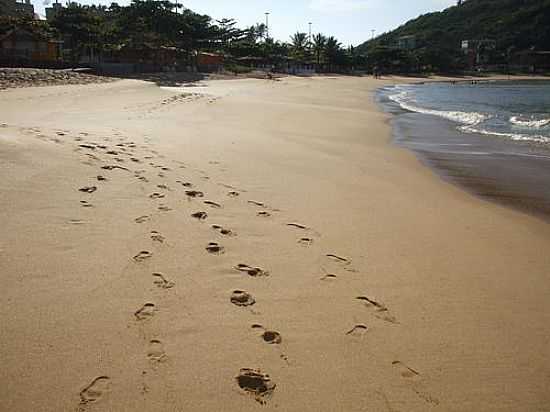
x,y
375,72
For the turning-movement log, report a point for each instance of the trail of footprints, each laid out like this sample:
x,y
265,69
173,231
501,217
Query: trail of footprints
x,y
251,381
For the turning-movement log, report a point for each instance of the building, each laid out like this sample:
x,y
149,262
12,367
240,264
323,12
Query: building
x,y
20,45
209,62
14,8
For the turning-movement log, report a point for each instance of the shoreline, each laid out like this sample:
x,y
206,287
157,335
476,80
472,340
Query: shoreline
x,y
390,289
512,174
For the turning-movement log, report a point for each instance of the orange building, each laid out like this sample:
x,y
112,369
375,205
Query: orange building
x,y
21,44
209,62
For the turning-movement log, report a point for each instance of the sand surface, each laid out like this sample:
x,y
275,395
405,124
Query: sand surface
x,y
453,311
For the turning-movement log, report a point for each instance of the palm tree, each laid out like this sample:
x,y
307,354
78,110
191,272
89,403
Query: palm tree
x,y
299,43
332,49
319,43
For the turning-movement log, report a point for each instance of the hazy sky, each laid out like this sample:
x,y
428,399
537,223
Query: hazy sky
x,y
351,21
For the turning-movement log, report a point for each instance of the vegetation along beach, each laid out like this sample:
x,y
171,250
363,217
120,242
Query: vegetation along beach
x,y
274,206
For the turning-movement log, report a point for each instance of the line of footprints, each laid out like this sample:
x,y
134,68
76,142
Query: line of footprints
x,y
251,381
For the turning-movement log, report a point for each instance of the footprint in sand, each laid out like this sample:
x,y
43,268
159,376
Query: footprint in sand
x,y
215,248
88,189
255,383
233,194
242,298
95,390
147,311
223,231
297,226
413,376
305,241
405,371
161,282
163,187
101,178
382,312
143,255
87,146
371,302
194,193
157,196
157,237
251,271
84,203
272,337
163,208
156,352
200,215
338,259
113,167
329,276
264,214
260,204
212,204
142,219
341,261
358,330
269,336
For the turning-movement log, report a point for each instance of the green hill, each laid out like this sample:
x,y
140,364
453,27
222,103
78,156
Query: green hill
x,y
513,24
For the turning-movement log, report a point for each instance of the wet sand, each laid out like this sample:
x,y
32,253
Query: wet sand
x,y
514,174
252,242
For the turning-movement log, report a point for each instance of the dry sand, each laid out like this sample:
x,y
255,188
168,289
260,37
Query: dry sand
x,y
453,311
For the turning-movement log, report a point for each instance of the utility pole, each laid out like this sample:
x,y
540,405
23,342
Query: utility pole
x,y
310,23
373,31
267,25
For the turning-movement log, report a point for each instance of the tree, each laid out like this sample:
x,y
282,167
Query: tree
x,y
332,50
318,46
299,44
81,27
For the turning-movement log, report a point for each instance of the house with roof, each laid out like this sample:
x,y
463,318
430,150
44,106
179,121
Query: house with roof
x,y
20,45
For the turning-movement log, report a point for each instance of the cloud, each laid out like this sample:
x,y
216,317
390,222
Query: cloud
x,y
338,5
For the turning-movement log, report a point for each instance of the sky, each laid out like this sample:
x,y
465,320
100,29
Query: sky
x,y
351,21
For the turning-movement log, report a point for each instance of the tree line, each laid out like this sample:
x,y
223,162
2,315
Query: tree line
x,y
102,29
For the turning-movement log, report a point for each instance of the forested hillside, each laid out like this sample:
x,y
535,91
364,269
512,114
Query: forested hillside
x,y
513,24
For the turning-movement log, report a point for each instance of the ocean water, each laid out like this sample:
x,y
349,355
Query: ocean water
x,y
518,111
491,138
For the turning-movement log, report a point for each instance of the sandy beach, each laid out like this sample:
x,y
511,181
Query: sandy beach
x,y
247,245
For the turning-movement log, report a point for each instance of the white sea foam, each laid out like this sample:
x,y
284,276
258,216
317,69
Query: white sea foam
x,y
513,136
469,118
471,121
529,123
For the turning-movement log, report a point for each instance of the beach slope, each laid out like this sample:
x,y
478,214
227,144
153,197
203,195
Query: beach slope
x,y
254,242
